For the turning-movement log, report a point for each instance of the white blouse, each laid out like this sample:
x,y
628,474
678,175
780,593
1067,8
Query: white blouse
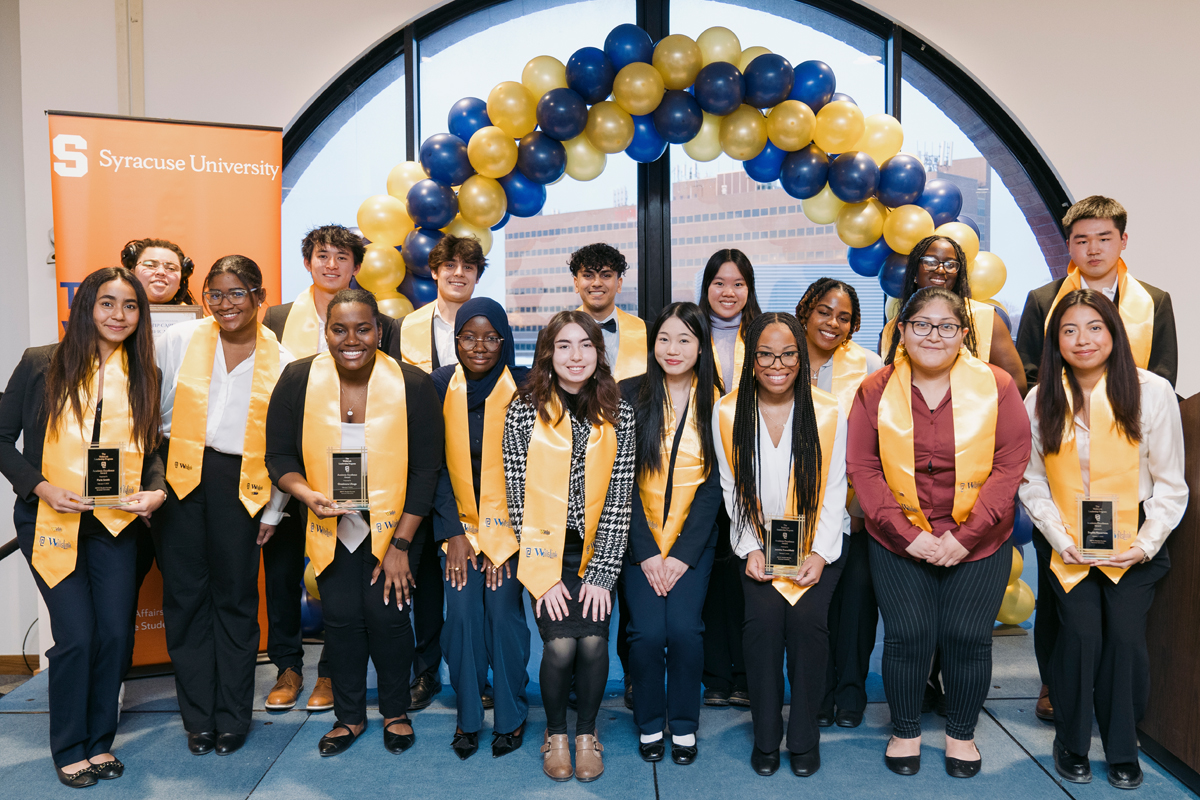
x,y
1161,486
773,471
443,338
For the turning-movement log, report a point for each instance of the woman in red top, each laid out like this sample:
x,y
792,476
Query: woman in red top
x,y
949,431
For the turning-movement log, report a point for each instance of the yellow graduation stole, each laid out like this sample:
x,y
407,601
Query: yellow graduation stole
x,y
825,407
849,371
983,318
56,536
486,526
1136,307
1113,469
302,330
387,450
189,419
974,399
416,337
631,352
547,484
739,358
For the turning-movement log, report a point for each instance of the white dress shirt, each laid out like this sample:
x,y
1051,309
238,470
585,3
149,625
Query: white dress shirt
x,y
612,341
774,470
352,529
1110,292
1161,486
443,338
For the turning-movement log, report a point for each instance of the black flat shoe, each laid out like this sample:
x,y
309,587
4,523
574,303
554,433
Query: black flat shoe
x,y
805,765
902,765
488,697
229,743
397,743
333,745
629,696
1125,776
739,699
717,699
683,754
78,780
464,744
422,691
202,743
824,719
764,763
505,743
652,751
1071,767
109,770
848,719
959,768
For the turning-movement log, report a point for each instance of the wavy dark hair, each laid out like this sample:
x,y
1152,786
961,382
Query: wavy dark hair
x,y
73,364
1122,384
960,287
131,253
599,399
818,289
337,236
739,259
596,257
918,301
652,394
806,439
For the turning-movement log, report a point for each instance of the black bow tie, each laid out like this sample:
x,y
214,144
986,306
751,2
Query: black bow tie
x,y
609,325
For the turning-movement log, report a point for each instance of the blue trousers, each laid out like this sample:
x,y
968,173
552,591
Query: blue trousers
x,y
666,644
487,627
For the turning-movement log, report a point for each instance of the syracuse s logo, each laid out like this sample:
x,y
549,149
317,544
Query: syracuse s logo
x,y
67,147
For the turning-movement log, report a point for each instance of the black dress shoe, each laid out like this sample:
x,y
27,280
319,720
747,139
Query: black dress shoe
x,y
1125,776
397,743
652,751
902,765
488,698
848,719
109,770
629,696
683,754
505,743
959,768
423,690
78,780
202,743
764,763
739,698
1071,767
229,743
824,719
332,745
713,697
465,744
805,765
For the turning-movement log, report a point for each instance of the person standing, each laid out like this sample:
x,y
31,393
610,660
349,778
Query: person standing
x,y
162,269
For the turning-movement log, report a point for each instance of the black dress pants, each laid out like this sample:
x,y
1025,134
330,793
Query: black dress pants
x,y
428,600
1045,624
208,554
723,614
853,619
283,577
89,618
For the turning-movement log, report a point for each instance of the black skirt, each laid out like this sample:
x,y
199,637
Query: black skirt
x,y
574,625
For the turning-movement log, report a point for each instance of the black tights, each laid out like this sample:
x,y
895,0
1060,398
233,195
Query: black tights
x,y
585,660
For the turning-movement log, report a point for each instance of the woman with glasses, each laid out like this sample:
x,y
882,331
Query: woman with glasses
x,y
485,618
218,374
161,268
782,456
938,442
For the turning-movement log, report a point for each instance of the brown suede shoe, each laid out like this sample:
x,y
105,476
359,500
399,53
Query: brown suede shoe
x,y
1043,709
589,764
285,692
556,762
321,698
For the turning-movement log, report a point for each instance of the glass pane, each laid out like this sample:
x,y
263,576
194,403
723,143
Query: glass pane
x,y
527,265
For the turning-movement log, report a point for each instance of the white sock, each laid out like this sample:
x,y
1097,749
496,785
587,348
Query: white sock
x,y
684,740
647,738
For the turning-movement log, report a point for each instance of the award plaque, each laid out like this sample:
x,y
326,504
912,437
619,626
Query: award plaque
x,y
348,478
102,474
783,546
1097,520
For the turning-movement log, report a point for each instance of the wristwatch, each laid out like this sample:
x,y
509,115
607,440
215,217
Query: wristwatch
x,y
401,544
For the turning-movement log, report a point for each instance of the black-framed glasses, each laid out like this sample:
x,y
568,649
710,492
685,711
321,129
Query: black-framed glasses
x,y
931,264
170,267
767,360
490,343
236,296
946,330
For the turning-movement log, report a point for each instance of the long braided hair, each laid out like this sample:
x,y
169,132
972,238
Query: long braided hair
x,y
961,287
806,439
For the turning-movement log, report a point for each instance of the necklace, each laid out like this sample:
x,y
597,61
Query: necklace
x,y
774,420
350,410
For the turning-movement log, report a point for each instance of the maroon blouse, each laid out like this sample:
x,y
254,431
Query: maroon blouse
x,y
991,520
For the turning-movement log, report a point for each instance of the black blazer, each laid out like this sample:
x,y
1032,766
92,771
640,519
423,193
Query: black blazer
x,y
389,340
21,415
426,443
699,530
1031,334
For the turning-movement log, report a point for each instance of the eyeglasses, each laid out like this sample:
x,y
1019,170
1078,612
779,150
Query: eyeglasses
x,y
767,360
490,343
931,264
236,296
169,267
947,330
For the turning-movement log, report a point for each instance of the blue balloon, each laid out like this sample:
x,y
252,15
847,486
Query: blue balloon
x,y
767,165
431,204
312,620
942,199
969,221
503,221
416,249
1022,526
467,116
678,117
540,158
421,290
867,261
1005,318
891,275
444,157
525,197
626,44
647,145
590,73
814,84
853,177
805,172
843,97
562,114
901,181
769,80
720,88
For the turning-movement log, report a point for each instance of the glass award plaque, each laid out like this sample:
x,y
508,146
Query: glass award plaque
x,y
783,546
1097,519
102,474
348,478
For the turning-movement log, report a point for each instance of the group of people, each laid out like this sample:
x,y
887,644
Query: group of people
x,y
635,466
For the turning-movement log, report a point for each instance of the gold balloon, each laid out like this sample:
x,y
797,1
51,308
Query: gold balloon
x,y
719,44
906,226
482,201
861,224
638,88
1017,604
402,177
790,125
743,133
823,207
679,59
967,239
891,308
609,127
706,145
461,227
396,307
512,108
584,161
1018,564
749,54
384,219
382,269
492,152
882,138
987,274
310,581
542,74
840,125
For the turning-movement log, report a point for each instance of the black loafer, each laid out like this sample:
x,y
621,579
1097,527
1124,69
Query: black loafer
x,y
505,743
488,697
465,744
397,743
683,754
229,743
824,719
652,751
1125,776
805,765
629,696
78,780
333,745
422,691
1071,767
715,698
109,770
740,698
960,768
902,765
202,743
848,719
764,763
